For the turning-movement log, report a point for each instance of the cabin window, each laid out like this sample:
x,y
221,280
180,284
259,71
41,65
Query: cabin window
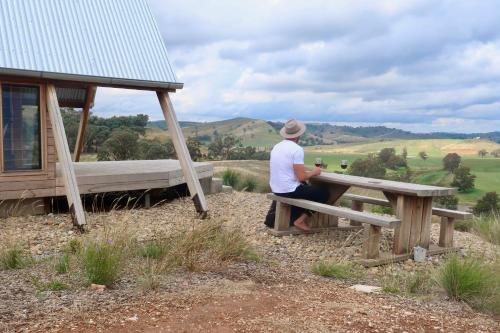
x,y
21,128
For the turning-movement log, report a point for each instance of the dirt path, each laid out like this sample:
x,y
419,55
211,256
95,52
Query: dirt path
x,y
313,306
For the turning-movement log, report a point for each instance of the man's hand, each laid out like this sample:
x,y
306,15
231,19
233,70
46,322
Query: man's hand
x,y
316,171
303,175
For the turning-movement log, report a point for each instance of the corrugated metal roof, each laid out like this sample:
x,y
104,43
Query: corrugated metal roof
x,y
103,41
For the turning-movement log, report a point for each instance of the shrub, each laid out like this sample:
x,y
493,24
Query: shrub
x,y
448,202
74,246
369,167
249,184
339,270
12,256
103,258
472,281
463,179
463,225
231,178
488,227
451,161
488,204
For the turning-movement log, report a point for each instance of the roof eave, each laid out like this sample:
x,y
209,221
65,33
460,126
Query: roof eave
x,y
97,80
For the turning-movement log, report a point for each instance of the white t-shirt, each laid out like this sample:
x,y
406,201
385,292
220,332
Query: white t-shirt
x,y
283,156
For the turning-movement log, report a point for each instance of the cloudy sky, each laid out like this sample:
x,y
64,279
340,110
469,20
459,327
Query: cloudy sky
x,y
423,66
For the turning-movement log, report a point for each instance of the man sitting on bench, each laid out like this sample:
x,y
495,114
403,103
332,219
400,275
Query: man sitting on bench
x,y
288,174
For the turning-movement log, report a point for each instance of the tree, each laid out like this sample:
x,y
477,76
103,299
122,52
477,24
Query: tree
x,y
495,153
448,202
221,146
463,179
123,144
368,167
156,150
423,155
482,153
194,148
451,161
488,204
386,154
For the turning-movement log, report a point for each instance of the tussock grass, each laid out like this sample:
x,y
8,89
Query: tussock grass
x,y
154,250
12,256
339,270
62,263
472,281
103,258
248,184
231,178
488,227
411,283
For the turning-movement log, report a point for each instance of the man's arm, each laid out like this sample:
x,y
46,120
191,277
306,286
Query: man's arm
x,y
303,175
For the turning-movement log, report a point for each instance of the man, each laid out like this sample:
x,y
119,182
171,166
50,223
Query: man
x,y
289,176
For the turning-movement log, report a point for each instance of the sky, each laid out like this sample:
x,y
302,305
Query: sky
x,y
422,66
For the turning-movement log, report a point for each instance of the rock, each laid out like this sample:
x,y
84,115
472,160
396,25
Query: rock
x,y
365,288
227,189
97,287
133,318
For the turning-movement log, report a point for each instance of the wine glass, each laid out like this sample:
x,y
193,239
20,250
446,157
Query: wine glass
x,y
344,164
318,162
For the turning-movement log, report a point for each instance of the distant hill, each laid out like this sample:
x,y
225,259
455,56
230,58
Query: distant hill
x,y
261,133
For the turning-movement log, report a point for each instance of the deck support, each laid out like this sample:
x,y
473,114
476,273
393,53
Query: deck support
x,y
80,139
182,151
64,156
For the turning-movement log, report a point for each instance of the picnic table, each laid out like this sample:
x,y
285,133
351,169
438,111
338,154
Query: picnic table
x,y
412,204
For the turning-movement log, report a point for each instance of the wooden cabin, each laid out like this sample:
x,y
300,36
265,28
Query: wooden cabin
x,y
57,53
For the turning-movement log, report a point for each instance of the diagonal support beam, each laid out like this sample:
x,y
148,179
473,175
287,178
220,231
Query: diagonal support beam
x,y
182,151
64,156
80,139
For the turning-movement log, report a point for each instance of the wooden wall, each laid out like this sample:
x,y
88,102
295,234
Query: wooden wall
x,y
33,184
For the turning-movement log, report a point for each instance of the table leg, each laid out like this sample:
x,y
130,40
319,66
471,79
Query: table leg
x,y
319,220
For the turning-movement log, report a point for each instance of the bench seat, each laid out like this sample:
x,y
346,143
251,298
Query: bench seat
x,y
448,216
375,222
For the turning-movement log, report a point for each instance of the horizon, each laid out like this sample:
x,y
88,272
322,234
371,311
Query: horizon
x,y
418,66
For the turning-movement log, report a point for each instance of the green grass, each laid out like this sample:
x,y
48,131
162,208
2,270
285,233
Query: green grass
x,y
62,263
153,250
410,283
12,256
231,178
338,270
56,285
248,184
487,227
472,281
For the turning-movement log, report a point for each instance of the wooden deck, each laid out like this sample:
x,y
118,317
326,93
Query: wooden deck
x,y
115,176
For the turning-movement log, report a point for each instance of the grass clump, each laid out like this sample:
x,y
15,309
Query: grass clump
x,y
411,283
56,285
339,270
62,263
74,246
153,250
488,227
472,281
231,178
463,225
103,258
249,184
12,256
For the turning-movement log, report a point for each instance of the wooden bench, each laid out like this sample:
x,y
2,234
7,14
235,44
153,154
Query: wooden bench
x,y
448,216
375,222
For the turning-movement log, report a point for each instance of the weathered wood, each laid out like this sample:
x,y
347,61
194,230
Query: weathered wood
x,y
402,231
295,231
357,206
182,153
64,156
425,235
383,221
446,231
372,242
367,200
80,139
282,218
416,222
456,214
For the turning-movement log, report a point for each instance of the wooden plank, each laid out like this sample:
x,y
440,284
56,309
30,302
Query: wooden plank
x,y
64,156
425,234
80,138
282,218
357,206
446,231
380,220
384,185
368,200
182,153
28,193
372,242
456,214
416,222
402,232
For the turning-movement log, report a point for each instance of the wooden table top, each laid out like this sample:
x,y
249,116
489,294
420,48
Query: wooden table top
x,y
385,185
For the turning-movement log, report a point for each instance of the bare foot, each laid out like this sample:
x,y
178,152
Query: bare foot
x,y
301,224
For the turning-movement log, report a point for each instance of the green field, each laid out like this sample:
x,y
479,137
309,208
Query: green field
x,y
487,170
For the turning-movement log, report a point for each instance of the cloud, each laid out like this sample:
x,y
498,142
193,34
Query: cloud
x,y
420,65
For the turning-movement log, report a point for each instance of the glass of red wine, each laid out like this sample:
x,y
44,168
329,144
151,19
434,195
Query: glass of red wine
x,y
343,164
318,162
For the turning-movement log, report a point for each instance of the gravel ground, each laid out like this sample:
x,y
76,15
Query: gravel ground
x,y
278,294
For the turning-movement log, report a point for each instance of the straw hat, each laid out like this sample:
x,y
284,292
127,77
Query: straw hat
x,y
292,129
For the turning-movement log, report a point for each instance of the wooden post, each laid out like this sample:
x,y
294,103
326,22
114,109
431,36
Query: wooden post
x,y
402,232
357,206
64,156
446,231
80,139
371,246
282,218
425,232
182,151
